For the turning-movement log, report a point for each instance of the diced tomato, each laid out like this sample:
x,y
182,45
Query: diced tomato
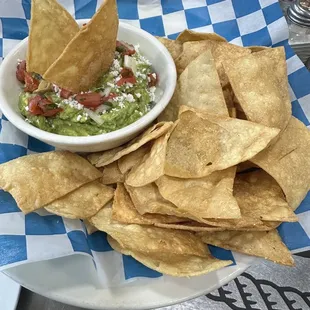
x,y
153,80
131,80
89,99
65,93
109,97
33,105
31,84
37,106
126,72
124,48
52,112
20,71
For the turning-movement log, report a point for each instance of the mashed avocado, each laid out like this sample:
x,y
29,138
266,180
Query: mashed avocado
x,y
125,95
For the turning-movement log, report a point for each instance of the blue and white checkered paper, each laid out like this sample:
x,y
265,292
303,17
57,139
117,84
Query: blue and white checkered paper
x,y
40,235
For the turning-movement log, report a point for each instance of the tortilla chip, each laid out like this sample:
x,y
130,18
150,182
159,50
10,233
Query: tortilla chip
x,y
148,239
174,47
83,202
220,51
152,166
126,162
288,162
208,143
198,87
259,82
177,266
36,180
124,211
259,196
190,226
51,29
190,35
111,174
89,54
147,199
257,243
104,158
89,227
255,49
208,197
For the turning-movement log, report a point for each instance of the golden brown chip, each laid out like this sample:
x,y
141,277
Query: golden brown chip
x,y
258,243
220,51
89,54
208,197
126,162
111,174
190,226
89,227
149,239
152,166
255,49
36,180
198,87
177,266
288,162
190,35
124,211
259,82
174,47
107,157
51,29
259,196
83,202
201,144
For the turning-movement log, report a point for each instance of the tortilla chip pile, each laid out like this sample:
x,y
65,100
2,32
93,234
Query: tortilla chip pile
x,y
226,164
66,55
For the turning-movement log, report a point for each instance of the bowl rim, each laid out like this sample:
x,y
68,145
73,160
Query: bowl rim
x,y
131,129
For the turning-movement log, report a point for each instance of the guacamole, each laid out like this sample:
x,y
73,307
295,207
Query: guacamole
x,y
122,95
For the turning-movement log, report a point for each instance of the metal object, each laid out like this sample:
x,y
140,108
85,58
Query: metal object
x,y
299,13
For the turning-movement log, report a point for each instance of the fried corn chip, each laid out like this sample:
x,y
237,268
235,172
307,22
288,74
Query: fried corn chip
x,y
124,211
208,197
174,47
89,54
126,162
190,226
89,227
198,87
259,82
288,162
221,51
190,35
208,143
177,266
257,243
149,239
36,180
152,166
104,158
51,29
111,174
259,196
83,202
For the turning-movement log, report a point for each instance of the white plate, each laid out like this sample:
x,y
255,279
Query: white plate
x,y
9,293
68,281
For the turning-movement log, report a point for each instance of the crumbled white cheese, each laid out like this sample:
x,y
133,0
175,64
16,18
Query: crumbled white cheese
x,y
114,73
73,103
26,108
79,118
110,84
138,95
130,98
116,65
152,89
142,75
154,75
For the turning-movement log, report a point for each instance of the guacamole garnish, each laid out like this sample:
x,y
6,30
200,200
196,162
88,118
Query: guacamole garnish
x,y
122,95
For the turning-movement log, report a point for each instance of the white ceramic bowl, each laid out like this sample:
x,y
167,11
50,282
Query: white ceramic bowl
x,y
153,50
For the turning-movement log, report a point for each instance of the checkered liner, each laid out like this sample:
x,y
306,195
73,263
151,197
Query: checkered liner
x,y
40,235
